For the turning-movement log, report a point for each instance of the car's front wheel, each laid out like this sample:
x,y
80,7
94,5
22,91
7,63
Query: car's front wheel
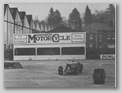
x,y
60,70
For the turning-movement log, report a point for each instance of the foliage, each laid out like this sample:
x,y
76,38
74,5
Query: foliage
x,y
105,17
74,20
54,18
88,16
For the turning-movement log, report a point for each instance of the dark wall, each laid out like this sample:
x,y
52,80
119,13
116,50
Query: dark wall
x,y
102,42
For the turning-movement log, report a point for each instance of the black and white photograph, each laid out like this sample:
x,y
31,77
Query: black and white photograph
x,y
59,45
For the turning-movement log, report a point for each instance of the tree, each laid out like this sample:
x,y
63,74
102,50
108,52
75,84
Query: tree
x,y
50,17
111,13
74,20
51,12
88,16
57,18
54,18
111,10
105,17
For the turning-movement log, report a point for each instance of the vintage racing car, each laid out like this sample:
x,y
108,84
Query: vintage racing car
x,y
72,68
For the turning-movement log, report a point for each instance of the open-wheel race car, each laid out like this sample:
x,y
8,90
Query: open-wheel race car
x,y
72,68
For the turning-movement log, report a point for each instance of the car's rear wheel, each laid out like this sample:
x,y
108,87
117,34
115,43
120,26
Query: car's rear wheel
x,y
60,70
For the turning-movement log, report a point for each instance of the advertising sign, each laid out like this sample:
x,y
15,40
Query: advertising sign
x,y
78,37
20,39
47,38
107,56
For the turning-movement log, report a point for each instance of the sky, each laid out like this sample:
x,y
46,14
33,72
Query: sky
x,y
42,10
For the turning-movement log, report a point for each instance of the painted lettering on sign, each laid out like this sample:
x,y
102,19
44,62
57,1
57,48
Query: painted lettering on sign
x,y
48,38
36,38
20,39
78,37
107,56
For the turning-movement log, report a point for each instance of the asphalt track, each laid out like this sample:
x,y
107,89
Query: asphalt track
x,y
44,74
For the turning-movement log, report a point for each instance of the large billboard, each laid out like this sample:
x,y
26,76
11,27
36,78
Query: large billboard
x,y
47,38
